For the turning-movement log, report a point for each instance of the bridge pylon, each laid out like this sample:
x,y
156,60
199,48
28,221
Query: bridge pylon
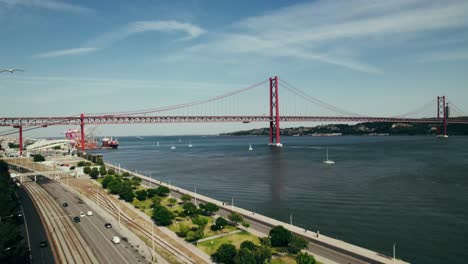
x,y
82,133
275,133
442,112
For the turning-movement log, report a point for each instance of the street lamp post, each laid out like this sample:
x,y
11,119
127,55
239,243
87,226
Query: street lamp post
x,y
195,195
394,244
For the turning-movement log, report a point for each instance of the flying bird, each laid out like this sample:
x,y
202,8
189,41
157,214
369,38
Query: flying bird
x,y
10,70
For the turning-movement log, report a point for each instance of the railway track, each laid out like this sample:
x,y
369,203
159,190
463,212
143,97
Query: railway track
x,y
68,245
134,222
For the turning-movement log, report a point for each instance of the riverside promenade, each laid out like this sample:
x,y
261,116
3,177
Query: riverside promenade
x,y
324,247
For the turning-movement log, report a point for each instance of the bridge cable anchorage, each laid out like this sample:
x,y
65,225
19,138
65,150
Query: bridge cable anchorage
x,y
316,101
184,105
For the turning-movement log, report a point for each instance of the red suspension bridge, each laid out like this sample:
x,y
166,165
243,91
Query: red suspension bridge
x,y
296,106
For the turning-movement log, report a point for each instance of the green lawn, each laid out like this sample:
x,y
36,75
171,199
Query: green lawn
x,y
144,206
283,260
211,246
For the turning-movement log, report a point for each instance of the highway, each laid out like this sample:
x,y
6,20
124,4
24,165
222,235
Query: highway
x,y
36,231
92,227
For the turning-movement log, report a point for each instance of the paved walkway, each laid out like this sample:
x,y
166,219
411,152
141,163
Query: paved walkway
x,y
319,239
218,236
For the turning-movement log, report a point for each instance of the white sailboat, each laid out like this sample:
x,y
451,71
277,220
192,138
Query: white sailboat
x,y
173,147
157,144
328,161
190,144
250,147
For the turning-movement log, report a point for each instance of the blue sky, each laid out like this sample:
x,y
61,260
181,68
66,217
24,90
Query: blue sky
x,y
370,57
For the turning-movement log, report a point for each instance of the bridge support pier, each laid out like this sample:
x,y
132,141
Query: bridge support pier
x,y
275,133
20,139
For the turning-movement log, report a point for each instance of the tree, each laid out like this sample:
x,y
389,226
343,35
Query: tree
x,y
86,170
280,236
102,171
265,241
296,244
156,200
220,223
209,208
99,161
304,258
225,254
186,198
38,158
248,245
81,163
126,174
262,254
114,186
190,209
244,256
135,181
235,217
151,192
111,172
141,195
94,173
106,181
126,192
162,216
162,191
200,221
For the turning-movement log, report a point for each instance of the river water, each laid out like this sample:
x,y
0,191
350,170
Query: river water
x,y
409,190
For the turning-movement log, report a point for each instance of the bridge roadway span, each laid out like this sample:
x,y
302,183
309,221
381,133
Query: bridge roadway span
x,y
128,119
325,248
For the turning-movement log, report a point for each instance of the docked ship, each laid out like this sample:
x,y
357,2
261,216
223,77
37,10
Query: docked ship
x,y
110,143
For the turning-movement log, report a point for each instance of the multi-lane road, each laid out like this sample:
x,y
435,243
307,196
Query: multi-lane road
x,y
92,228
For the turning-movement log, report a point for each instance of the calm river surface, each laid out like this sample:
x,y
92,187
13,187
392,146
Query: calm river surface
x,y
409,190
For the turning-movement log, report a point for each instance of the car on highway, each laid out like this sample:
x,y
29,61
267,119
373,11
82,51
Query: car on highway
x,y
43,244
65,204
89,213
82,214
76,219
116,240
107,225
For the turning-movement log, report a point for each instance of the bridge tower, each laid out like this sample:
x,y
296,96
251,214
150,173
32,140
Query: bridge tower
x,y
20,140
275,133
82,133
442,112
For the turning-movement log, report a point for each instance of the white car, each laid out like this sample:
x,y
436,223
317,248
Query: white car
x,y
82,214
116,240
89,213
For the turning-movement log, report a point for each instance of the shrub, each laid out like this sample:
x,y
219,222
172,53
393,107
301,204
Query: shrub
x,y
225,254
244,256
111,172
235,217
262,254
86,170
102,171
245,224
88,164
125,174
183,230
114,186
38,158
280,236
106,181
200,221
209,208
304,258
171,201
186,197
99,161
156,200
220,223
94,173
248,244
81,163
194,235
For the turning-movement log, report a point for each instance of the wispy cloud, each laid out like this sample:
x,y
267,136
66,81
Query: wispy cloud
x,y
314,30
191,31
48,4
449,55
65,52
